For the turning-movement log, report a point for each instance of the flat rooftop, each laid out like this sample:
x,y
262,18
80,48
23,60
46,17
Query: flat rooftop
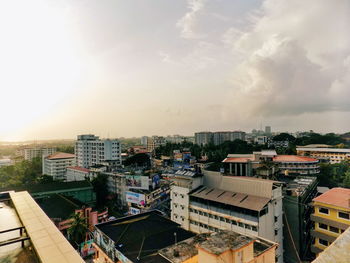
x,y
215,243
143,235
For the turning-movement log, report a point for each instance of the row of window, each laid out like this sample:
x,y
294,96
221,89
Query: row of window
x,y
330,228
342,215
223,219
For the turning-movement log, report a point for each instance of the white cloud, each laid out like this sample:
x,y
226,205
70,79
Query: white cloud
x,y
295,59
188,23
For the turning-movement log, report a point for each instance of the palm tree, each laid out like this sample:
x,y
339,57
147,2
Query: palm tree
x,y
77,231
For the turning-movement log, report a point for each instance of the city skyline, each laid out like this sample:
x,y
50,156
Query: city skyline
x,y
131,68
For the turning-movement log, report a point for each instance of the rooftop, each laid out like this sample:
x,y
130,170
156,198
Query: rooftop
x,y
238,159
215,243
336,196
250,202
60,155
78,168
294,159
57,206
49,187
143,235
338,150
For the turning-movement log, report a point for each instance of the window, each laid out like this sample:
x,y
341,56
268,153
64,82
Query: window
x,y
322,226
191,210
323,210
276,232
254,228
240,224
200,213
222,219
248,227
333,229
205,213
344,215
276,219
323,242
211,216
216,217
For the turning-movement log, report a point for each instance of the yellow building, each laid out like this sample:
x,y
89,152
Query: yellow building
x,y
331,217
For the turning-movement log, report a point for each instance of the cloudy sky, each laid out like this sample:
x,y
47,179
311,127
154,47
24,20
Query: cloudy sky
x,y
137,67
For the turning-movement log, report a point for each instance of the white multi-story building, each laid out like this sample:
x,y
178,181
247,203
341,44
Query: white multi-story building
x,y
31,153
242,204
56,164
116,184
91,150
76,173
333,155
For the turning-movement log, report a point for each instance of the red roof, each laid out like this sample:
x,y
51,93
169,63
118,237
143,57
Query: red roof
x,y
238,159
336,196
78,168
293,159
59,155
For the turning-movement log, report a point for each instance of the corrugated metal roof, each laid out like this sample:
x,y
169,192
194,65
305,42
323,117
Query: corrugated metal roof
x,y
251,202
239,184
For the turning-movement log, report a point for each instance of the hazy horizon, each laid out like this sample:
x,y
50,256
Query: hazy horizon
x,y
131,68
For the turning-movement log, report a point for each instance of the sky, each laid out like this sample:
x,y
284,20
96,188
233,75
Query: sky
x,y
135,67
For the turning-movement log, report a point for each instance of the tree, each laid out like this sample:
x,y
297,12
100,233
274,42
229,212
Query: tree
x,y
77,231
346,180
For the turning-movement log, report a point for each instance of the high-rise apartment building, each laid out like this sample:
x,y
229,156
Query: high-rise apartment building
x,y
203,138
219,137
91,150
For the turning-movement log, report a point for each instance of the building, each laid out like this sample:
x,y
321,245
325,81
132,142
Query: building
x,y
116,183
245,205
203,138
297,196
144,141
268,164
80,190
137,238
91,150
31,153
28,235
331,217
332,155
268,129
143,200
6,162
77,173
219,137
60,208
261,140
223,246
293,165
338,251
155,142
56,164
